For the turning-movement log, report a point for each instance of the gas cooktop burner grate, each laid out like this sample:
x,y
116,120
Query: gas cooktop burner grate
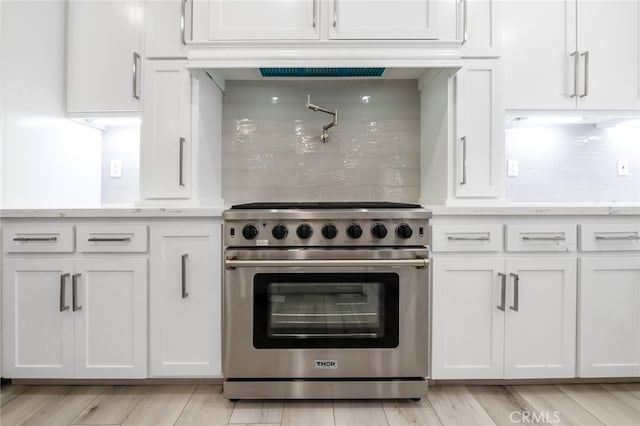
x,y
332,205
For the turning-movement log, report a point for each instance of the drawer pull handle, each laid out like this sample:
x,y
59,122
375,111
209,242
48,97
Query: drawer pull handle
x,y
618,237
554,238
516,296
34,239
74,294
503,280
101,240
63,305
483,238
183,265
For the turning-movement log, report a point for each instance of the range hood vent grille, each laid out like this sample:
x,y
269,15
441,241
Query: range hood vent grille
x,y
321,72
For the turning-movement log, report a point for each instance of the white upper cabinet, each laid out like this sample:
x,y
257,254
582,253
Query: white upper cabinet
x,y
478,27
479,130
167,28
585,56
256,20
383,19
104,43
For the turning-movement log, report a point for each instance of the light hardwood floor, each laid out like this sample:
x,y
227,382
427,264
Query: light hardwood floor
x,y
186,405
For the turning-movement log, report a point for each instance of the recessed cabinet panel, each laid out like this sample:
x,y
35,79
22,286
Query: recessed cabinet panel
x,y
165,166
103,74
383,19
37,322
540,336
111,318
185,310
479,130
263,20
609,317
468,328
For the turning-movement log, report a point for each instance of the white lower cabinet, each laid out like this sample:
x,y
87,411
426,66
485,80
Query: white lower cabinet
x,y
74,318
185,306
609,336
497,318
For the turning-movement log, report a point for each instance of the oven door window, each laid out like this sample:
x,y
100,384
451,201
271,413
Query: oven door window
x,y
326,310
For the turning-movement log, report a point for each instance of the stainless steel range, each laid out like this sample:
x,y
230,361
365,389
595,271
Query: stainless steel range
x,y
325,300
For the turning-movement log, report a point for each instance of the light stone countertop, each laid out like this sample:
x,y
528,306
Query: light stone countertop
x,y
538,210
114,212
437,210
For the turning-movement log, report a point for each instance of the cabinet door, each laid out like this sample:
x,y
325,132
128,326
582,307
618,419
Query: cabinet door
x,y
185,310
539,37
609,317
259,20
479,142
608,34
110,314
166,28
102,69
540,337
480,27
165,151
37,323
468,326
383,19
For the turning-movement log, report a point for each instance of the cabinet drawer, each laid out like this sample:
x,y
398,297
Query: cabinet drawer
x,y
541,238
466,238
37,238
110,238
610,237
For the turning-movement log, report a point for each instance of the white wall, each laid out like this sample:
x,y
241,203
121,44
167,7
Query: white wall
x,y
48,161
121,143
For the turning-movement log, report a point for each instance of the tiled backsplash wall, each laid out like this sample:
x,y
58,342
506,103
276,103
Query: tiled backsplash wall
x,y
573,163
121,143
272,149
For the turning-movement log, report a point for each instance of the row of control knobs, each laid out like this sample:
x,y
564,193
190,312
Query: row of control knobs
x,y
329,231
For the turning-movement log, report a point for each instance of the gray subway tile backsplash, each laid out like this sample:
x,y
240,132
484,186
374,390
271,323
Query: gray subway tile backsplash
x,y
272,148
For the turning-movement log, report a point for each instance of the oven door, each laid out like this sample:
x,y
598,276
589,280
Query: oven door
x,y
309,313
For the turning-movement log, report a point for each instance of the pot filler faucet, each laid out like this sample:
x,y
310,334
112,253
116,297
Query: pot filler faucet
x,y
334,112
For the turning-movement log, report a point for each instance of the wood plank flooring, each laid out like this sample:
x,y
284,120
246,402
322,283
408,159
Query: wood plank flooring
x,y
187,405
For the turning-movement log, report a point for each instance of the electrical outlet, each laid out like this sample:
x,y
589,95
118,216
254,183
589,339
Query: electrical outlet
x,y
623,167
115,169
512,168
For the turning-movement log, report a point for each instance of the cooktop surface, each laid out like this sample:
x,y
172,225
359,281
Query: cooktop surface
x,y
331,205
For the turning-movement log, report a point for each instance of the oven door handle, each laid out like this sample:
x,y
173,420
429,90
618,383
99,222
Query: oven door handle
x,y
417,262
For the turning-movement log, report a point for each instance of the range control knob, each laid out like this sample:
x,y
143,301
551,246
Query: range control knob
x,y
379,230
250,232
354,231
279,231
329,231
404,231
304,231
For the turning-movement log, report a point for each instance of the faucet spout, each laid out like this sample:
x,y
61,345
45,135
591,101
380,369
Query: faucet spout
x,y
324,137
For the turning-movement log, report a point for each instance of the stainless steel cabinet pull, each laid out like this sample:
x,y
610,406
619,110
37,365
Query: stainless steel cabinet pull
x,y
63,280
554,238
74,294
99,239
181,164
463,141
464,21
314,13
503,291
417,262
516,296
586,73
182,22
335,13
34,239
576,60
483,238
136,61
184,275
619,238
